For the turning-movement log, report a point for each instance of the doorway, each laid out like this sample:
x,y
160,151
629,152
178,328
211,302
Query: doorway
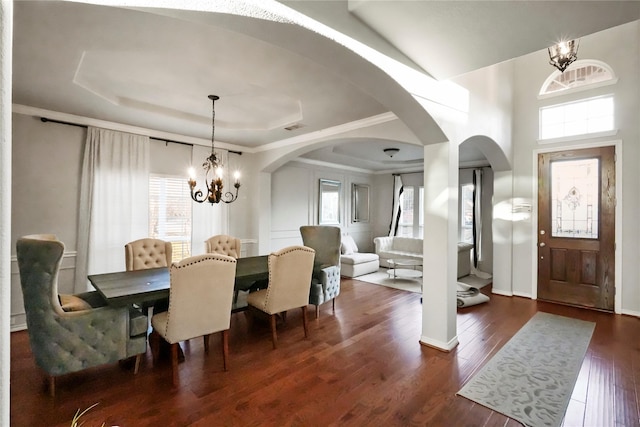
x,y
576,227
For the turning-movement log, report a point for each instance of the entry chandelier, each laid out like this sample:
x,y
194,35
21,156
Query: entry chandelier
x,y
561,55
214,172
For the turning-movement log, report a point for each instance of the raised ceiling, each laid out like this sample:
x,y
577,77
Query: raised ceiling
x,y
154,68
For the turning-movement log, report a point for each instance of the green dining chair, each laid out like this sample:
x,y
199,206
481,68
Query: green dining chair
x,y
88,335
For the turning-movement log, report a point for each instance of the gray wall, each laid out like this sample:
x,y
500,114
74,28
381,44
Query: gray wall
x,y
294,202
47,160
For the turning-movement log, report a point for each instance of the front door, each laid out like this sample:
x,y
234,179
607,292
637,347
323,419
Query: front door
x,y
576,227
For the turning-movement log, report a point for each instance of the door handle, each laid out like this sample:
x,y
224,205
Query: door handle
x,y
542,245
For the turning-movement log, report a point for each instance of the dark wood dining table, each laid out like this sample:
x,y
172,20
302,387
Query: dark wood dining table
x,y
142,287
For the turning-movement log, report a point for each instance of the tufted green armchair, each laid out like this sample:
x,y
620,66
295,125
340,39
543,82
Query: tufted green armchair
x,y
325,284
64,342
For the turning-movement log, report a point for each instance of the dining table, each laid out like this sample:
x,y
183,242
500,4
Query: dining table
x,y
143,287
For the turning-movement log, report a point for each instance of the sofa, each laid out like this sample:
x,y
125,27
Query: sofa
x,y
389,247
354,263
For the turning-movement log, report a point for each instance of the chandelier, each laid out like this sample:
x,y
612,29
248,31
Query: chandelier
x,y
214,172
561,55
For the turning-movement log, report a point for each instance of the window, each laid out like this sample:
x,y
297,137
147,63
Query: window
x,y
584,74
586,116
410,224
170,213
575,198
405,225
466,226
421,213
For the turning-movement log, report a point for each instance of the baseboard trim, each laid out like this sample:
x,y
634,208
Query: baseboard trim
x,y
522,294
501,292
440,345
630,313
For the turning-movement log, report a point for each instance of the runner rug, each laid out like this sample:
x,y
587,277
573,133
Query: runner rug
x,y
532,377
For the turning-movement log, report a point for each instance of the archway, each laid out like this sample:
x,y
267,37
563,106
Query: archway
x,y
500,235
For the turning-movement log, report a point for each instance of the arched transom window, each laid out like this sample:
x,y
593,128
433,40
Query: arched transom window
x,y
581,74
583,116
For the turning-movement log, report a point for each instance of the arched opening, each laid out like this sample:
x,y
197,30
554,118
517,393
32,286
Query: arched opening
x,y
482,162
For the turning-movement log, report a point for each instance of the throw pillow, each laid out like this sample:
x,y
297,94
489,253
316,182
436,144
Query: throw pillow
x,y
73,303
348,245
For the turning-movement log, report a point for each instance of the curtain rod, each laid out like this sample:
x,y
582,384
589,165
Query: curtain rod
x,y
476,167
46,119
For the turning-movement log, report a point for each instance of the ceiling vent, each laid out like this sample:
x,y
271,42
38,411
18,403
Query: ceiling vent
x,y
294,126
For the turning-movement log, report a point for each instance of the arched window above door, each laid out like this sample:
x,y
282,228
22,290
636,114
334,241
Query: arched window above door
x,y
582,75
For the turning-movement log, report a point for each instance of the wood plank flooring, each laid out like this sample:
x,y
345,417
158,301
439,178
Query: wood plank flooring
x,y
362,366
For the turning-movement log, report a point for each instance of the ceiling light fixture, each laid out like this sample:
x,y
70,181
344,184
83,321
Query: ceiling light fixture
x,y
391,151
213,165
562,54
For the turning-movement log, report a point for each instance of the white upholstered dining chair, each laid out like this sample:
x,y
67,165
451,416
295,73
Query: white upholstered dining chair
x,y
200,300
147,253
290,271
143,254
223,244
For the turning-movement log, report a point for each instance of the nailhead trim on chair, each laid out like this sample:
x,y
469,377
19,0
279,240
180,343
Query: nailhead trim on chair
x,y
299,248
176,265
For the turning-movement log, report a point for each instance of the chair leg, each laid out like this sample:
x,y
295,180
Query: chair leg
x,y
305,322
317,311
52,386
154,343
206,343
274,336
225,349
334,304
174,363
137,364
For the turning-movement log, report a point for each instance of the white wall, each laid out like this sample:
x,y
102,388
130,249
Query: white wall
x,y
294,202
618,48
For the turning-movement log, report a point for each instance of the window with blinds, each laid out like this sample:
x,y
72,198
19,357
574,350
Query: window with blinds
x,y
170,213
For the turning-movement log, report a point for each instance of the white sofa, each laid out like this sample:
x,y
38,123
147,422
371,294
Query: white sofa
x,y
354,263
397,247
411,248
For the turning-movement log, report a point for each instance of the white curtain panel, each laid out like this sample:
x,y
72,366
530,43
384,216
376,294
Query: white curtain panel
x,y
114,201
208,219
396,212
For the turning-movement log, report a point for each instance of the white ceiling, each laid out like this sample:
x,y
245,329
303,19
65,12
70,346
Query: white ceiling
x,y
155,68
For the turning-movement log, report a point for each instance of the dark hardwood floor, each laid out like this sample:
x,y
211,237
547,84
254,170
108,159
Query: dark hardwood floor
x,y
362,366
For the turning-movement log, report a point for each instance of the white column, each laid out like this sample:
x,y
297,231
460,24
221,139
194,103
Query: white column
x,y
440,247
6,35
502,232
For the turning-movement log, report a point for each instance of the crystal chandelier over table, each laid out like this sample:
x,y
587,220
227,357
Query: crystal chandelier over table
x,y
214,172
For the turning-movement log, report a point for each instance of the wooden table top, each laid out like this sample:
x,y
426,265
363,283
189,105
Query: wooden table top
x,y
128,287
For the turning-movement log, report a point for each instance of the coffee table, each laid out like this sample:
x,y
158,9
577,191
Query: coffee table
x,y
403,268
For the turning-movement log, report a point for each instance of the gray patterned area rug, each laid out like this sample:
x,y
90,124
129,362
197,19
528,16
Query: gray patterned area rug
x,y
532,377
